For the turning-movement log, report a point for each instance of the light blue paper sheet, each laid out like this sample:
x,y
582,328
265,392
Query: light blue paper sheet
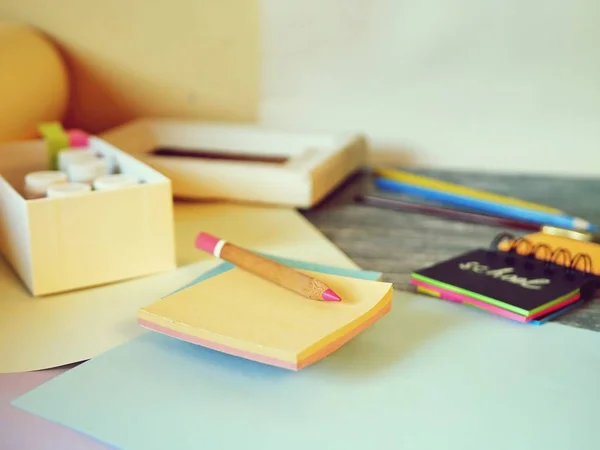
x,y
427,376
303,265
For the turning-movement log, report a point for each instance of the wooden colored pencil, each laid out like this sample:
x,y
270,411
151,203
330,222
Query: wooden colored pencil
x,y
455,214
267,269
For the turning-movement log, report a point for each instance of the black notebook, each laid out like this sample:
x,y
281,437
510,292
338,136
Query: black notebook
x,y
523,284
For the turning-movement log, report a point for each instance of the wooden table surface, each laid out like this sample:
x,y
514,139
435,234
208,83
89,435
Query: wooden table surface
x,y
396,243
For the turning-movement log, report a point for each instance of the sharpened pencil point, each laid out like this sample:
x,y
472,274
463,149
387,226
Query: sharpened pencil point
x,y
330,296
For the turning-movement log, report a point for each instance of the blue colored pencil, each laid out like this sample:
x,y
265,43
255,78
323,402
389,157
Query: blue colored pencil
x,y
498,209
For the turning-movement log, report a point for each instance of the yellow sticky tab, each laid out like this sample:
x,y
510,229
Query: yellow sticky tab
x,y
49,128
56,139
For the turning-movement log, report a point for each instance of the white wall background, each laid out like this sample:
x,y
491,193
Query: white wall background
x,y
506,85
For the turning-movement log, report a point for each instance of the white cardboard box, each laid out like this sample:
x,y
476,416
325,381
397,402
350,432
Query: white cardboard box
x,y
62,244
315,163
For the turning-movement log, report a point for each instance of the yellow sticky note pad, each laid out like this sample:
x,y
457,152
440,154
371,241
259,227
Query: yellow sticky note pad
x,y
241,314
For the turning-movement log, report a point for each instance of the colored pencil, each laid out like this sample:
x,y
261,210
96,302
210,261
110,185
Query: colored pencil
x,y
267,269
447,213
460,190
487,207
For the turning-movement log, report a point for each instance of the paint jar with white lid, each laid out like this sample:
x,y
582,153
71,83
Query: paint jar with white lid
x,y
36,183
69,156
86,171
114,181
67,189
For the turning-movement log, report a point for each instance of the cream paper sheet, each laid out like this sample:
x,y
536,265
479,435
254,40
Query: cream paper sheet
x,y
184,58
45,332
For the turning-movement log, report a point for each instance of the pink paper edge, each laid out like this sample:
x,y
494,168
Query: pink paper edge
x,y
309,360
461,298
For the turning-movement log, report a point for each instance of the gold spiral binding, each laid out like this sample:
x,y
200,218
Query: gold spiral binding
x,y
556,255
588,268
514,248
533,254
501,237
553,257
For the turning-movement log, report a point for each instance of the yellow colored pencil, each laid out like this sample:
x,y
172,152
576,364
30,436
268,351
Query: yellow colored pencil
x,y
457,189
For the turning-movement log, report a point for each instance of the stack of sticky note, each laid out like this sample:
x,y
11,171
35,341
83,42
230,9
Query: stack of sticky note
x,y
236,312
507,284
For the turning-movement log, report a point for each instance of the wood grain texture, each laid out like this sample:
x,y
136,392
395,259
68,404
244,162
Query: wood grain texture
x,y
280,274
396,243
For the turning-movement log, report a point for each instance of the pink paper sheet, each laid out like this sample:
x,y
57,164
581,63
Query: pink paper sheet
x,y
20,430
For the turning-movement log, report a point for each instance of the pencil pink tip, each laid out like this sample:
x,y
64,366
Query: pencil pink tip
x,y
206,242
330,296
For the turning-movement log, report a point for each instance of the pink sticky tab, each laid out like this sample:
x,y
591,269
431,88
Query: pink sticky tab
x,y
207,242
78,138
